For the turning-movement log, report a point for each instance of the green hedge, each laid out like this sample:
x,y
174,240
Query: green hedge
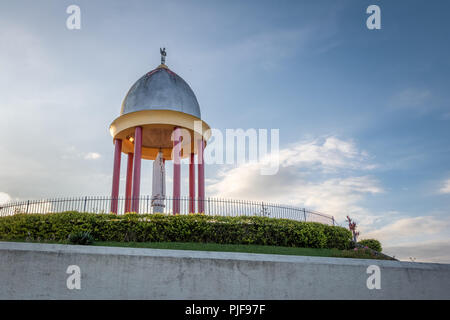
x,y
179,228
372,244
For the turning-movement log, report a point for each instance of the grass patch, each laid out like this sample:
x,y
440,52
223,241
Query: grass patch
x,y
314,252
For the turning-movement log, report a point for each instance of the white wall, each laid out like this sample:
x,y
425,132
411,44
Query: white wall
x,y
38,271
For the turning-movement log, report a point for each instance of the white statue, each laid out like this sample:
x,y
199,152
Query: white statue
x,y
159,184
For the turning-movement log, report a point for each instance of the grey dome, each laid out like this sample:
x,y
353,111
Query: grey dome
x,y
161,89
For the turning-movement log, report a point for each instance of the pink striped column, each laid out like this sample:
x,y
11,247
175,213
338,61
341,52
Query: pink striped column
x,y
201,176
137,169
176,170
192,184
116,175
128,183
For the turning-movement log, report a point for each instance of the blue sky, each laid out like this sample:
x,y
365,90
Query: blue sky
x,y
376,102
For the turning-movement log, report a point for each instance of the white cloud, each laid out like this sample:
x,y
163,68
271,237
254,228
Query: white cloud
x,y
4,197
329,155
432,251
92,156
412,99
423,238
446,187
72,153
317,174
405,229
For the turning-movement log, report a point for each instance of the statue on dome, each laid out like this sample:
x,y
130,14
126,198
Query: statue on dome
x,y
163,55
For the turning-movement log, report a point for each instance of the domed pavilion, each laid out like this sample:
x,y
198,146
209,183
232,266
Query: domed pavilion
x,y
160,120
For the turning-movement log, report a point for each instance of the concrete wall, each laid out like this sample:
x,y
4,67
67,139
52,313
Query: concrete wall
x,y
38,271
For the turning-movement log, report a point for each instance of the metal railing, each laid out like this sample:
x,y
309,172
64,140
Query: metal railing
x,y
212,206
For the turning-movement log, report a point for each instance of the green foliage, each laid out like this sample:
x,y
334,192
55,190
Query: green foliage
x,y
174,228
81,237
372,244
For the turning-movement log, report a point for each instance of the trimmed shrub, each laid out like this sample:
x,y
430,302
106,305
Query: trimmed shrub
x,y
81,237
337,237
372,244
174,228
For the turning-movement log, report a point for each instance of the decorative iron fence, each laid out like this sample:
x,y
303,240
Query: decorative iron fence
x,y
212,206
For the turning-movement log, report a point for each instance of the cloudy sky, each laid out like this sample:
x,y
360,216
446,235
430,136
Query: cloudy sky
x,y
364,115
